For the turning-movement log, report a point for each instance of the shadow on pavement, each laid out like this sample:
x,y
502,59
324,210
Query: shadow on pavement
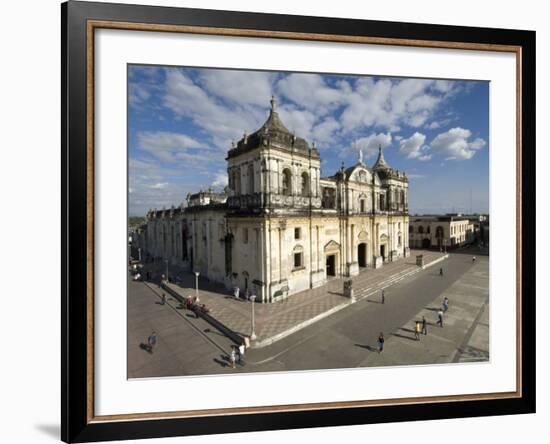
x,y
367,347
146,347
404,337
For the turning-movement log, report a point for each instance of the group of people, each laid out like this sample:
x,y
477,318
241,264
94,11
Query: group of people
x,y
420,327
237,355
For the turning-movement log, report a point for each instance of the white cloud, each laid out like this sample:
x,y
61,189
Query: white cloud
x,y
454,144
159,185
312,92
324,132
221,122
170,147
368,145
393,103
245,87
297,121
220,179
414,147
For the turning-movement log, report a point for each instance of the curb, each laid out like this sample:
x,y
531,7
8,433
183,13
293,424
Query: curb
x,y
284,334
368,292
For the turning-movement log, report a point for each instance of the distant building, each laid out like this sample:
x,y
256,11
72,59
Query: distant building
x,y
447,231
205,198
282,228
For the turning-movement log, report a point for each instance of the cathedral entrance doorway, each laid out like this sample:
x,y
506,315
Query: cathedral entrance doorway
x,y
383,252
331,265
362,255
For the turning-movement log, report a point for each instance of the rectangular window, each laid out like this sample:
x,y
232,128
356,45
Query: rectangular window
x,y
297,233
362,205
297,260
245,235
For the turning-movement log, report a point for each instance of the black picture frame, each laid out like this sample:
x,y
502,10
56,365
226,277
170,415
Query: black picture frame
x,y
76,423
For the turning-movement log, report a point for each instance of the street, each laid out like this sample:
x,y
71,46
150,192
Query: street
x,y
346,339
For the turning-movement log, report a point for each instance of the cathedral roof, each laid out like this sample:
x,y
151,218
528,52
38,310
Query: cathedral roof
x,y
275,134
380,163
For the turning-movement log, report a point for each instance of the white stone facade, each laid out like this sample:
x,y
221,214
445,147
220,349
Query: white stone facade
x,y
284,229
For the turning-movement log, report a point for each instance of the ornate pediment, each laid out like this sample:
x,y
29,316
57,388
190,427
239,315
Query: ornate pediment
x,y
332,247
363,235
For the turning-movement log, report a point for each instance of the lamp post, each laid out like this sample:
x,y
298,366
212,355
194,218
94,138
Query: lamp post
x,y
166,260
197,284
139,254
253,334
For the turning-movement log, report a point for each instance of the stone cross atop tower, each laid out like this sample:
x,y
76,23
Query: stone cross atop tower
x,y
273,102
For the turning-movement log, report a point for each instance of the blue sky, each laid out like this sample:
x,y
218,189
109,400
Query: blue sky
x,y
181,122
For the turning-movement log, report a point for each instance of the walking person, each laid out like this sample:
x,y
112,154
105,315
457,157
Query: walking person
x,y
152,341
424,326
380,342
163,299
441,271
440,318
236,291
417,329
241,353
383,298
232,357
445,304
474,259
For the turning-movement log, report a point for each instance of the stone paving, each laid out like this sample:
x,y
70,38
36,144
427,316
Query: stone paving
x,y
464,336
279,319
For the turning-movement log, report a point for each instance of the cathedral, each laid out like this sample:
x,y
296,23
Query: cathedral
x,y
281,228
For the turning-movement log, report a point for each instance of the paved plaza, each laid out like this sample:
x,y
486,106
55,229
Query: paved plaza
x,y
343,334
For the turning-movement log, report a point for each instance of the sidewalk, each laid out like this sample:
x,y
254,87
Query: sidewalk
x,y
277,320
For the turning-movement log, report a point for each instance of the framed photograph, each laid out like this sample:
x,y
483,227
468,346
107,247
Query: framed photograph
x,y
275,221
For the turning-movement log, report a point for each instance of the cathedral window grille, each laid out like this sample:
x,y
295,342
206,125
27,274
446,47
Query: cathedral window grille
x,y
287,182
305,184
298,260
297,233
250,179
382,202
237,182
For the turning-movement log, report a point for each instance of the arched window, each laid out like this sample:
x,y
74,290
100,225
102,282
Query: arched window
x,y
439,232
305,184
428,230
287,182
410,228
403,197
362,207
250,179
420,229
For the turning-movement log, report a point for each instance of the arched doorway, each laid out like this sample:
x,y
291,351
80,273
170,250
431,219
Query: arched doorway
x,y
362,254
332,251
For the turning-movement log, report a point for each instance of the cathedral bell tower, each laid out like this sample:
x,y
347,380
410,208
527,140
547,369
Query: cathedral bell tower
x,y
273,169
